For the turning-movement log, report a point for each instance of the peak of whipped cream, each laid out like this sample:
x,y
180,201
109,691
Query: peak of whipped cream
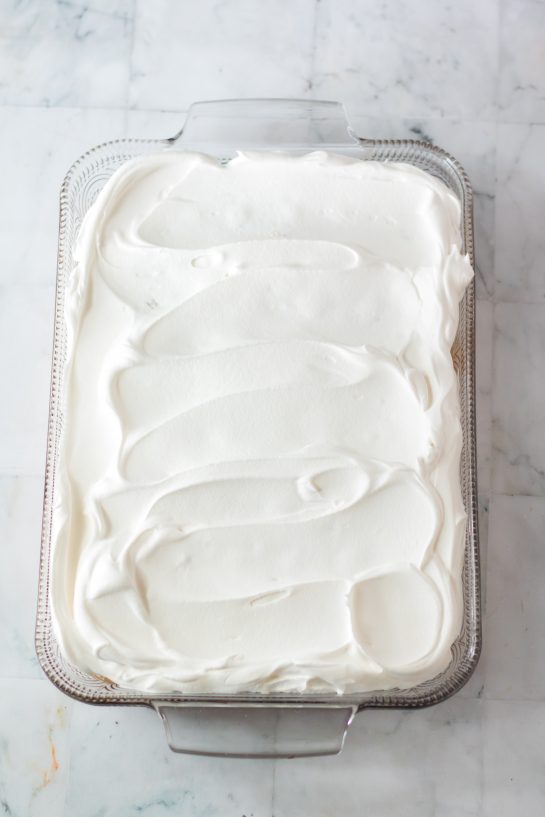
x,y
258,484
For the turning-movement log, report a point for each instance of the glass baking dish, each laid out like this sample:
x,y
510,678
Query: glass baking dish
x,y
272,725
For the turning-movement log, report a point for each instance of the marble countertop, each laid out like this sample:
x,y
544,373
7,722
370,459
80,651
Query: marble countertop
x,y
468,76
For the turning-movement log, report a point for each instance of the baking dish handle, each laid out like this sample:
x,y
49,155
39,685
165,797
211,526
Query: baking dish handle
x,y
255,731
233,124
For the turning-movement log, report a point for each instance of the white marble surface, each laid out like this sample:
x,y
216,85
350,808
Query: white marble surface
x,y
520,213
468,76
415,764
219,50
519,399
513,758
515,611
411,59
520,88
68,52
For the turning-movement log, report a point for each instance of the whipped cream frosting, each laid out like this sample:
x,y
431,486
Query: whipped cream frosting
x,y
258,481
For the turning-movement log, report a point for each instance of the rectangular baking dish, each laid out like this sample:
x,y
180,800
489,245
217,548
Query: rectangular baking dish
x,y
253,725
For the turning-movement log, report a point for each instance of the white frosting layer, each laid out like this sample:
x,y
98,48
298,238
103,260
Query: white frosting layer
x,y
259,470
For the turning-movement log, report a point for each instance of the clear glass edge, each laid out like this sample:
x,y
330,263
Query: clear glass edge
x,y
88,689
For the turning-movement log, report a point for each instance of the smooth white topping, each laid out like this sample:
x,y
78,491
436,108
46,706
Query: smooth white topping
x,y
258,478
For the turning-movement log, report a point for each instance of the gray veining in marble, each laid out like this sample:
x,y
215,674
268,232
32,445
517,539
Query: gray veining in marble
x,y
419,764
515,614
259,49
20,500
171,784
513,758
518,413
26,315
410,59
520,213
66,52
469,77
521,96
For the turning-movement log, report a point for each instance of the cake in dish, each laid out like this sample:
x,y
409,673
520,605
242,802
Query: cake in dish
x,y
258,478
